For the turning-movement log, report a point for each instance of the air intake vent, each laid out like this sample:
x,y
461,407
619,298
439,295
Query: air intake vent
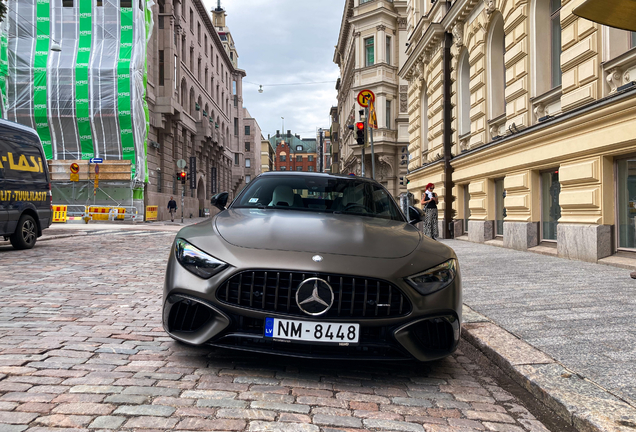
x,y
275,291
434,334
188,316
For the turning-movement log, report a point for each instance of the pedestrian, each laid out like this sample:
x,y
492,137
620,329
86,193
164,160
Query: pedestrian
x,y
172,208
429,204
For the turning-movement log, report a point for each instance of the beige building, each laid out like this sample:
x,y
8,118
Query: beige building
x,y
267,155
370,52
252,146
524,116
196,109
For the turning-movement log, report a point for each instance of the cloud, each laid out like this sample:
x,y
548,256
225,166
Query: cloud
x,y
284,42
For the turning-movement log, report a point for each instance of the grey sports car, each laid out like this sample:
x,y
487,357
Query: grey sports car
x,y
314,265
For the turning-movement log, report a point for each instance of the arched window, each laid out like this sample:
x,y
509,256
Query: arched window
x,y
496,67
545,23
192,101
463,87
424,124
184,94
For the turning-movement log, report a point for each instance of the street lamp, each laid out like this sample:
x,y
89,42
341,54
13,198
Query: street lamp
x,y
55,47
260,90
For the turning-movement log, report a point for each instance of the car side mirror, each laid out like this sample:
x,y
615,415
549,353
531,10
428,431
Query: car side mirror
x,y
415,215
220,200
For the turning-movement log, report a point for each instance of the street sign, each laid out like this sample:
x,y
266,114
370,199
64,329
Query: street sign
x,y
193,172
74,168
96,169
181,163
364,96
96,160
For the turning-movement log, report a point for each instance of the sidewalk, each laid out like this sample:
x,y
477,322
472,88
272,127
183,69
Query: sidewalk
x,y
563,329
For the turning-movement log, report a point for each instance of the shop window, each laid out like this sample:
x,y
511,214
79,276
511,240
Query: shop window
x,y
500,209
550,208
627,203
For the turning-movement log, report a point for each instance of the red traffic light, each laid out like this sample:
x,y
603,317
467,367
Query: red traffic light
x,y
182,175
360,126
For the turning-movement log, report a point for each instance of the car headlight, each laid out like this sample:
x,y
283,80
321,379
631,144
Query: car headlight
x,y
196,261
434,279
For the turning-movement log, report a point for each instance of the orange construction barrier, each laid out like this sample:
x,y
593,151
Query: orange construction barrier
x,y
59,214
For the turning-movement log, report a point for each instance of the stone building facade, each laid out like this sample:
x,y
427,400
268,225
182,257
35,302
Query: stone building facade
x,y
370,52
524,116
196,106
252,146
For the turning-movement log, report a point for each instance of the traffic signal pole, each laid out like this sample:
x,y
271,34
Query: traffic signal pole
x,y
182,199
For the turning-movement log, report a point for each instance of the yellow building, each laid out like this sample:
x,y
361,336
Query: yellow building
x,y
267,155
524,116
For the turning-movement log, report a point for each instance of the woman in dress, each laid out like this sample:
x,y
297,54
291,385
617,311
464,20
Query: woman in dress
x,y
429,204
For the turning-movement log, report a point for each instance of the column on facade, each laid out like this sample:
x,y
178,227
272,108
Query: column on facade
x,y
522,204
482,211
380,43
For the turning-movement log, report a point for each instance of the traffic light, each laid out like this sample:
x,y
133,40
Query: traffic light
x,y
402,181
182,176
360,133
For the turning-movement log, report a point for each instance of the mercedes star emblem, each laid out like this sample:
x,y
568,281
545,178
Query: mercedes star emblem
x,y
317,258
314,296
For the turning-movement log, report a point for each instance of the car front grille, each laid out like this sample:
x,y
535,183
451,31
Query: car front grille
x,y
188,316
275,291
435,334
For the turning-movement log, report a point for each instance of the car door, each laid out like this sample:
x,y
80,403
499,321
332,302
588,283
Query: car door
x,y
4,194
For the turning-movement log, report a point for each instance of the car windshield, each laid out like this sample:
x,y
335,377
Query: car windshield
x,y
340,195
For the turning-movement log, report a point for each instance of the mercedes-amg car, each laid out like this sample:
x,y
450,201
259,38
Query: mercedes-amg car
x,y
314,265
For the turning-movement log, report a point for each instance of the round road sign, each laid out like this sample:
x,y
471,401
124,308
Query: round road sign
x,y
181,163
96,169
364,96
74,168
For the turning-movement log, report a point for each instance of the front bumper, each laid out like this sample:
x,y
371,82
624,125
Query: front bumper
x,y
428,330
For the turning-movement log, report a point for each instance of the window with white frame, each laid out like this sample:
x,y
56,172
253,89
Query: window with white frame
x,y
369,51
555,42
496,68
248,163
545,24
464,94
248,178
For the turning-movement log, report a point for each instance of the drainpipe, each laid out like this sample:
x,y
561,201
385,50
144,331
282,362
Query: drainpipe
x,y
447,118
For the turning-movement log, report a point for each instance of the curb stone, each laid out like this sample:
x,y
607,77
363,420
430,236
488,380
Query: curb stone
x,y
580,401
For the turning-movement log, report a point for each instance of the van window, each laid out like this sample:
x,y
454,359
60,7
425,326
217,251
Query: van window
x,y
21,161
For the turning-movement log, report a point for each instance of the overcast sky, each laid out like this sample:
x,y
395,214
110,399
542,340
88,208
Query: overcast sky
x,y
286,41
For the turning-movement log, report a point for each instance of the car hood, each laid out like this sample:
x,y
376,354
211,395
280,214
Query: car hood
x,y
297,231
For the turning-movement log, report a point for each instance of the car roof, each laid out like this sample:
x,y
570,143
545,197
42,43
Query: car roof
x,y
14,125
316,174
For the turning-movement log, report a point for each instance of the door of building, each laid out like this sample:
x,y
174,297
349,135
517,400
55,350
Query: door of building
x,y
550,207
626,208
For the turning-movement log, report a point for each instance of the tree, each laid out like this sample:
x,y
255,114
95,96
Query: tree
x,y
3,10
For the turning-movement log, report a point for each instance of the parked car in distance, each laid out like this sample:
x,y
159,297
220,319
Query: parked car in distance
x,y
26,207
314,265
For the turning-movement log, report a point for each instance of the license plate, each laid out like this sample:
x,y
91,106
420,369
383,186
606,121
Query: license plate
x,y
309,331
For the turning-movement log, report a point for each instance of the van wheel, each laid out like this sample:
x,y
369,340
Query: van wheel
x,y
26,233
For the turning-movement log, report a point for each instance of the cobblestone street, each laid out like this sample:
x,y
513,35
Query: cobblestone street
x,y
82,347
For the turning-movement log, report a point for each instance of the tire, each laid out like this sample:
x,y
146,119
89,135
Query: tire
x,y
26,233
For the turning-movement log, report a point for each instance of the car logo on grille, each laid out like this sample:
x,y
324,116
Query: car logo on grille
x,y
314,296
317,258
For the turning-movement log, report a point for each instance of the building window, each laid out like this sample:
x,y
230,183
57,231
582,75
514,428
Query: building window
x,y
159,181
466,207
248,163
550,208
388,114
627,203
299,148
192,60
199,33
464,94
205,44
237,158
299,158
369,52
161,68
161,21
496,68
555,19
311,169
388,49
205,82
248,178
199,70
247,130
176,62
283,168
633,40
184,49
500,209
310,158
283,158
299,168
236,125
424,124
191,21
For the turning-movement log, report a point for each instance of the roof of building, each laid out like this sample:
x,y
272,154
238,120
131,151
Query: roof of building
x,y
308,145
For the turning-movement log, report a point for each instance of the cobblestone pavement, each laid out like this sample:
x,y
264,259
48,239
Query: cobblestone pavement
x,y
82,347
581,314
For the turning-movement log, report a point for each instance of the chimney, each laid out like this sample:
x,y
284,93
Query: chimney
x,y
289,133
277,134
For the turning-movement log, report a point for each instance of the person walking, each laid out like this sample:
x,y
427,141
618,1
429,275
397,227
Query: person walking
x,y
172,208
429,204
